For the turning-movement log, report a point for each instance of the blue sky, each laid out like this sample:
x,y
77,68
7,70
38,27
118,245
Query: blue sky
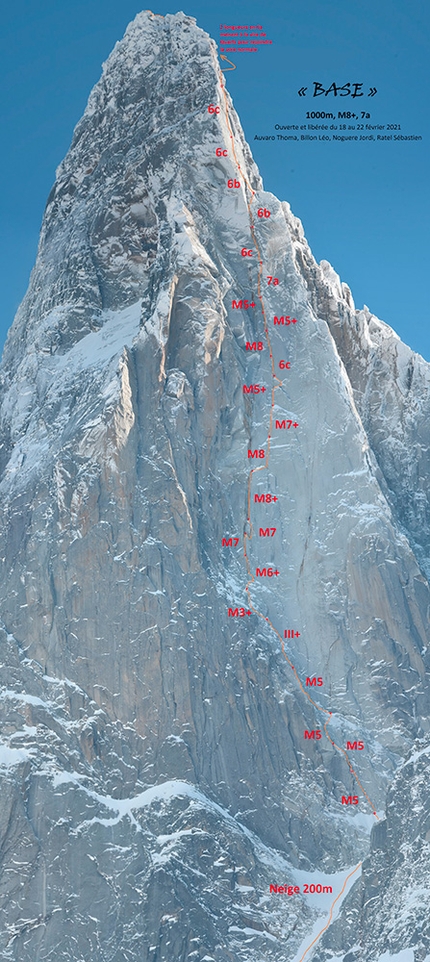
x,y
364,206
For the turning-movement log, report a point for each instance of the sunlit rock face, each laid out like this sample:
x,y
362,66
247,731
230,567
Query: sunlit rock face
x,y
156,778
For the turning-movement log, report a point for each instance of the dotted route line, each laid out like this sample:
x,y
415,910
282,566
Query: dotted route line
x,y
249,529
248,532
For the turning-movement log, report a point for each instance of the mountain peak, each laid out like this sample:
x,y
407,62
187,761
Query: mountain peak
x,y
214,537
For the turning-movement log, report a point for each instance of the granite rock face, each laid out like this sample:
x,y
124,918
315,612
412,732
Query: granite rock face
x,y
155,775
388,909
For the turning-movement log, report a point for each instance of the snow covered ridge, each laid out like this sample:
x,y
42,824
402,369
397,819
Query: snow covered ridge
x,y
154,760
75,390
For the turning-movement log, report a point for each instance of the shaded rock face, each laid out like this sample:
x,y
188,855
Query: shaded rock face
x,y
388,910
155,776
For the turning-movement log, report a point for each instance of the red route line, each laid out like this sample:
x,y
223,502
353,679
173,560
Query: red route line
x,y
225,69
329,921
248,534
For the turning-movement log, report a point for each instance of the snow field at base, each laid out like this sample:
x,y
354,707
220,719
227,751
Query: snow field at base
x,y
406,955
324,903
89,375
324,900
282,872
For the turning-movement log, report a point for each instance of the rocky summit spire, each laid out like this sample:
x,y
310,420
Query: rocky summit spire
x,y
214,549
